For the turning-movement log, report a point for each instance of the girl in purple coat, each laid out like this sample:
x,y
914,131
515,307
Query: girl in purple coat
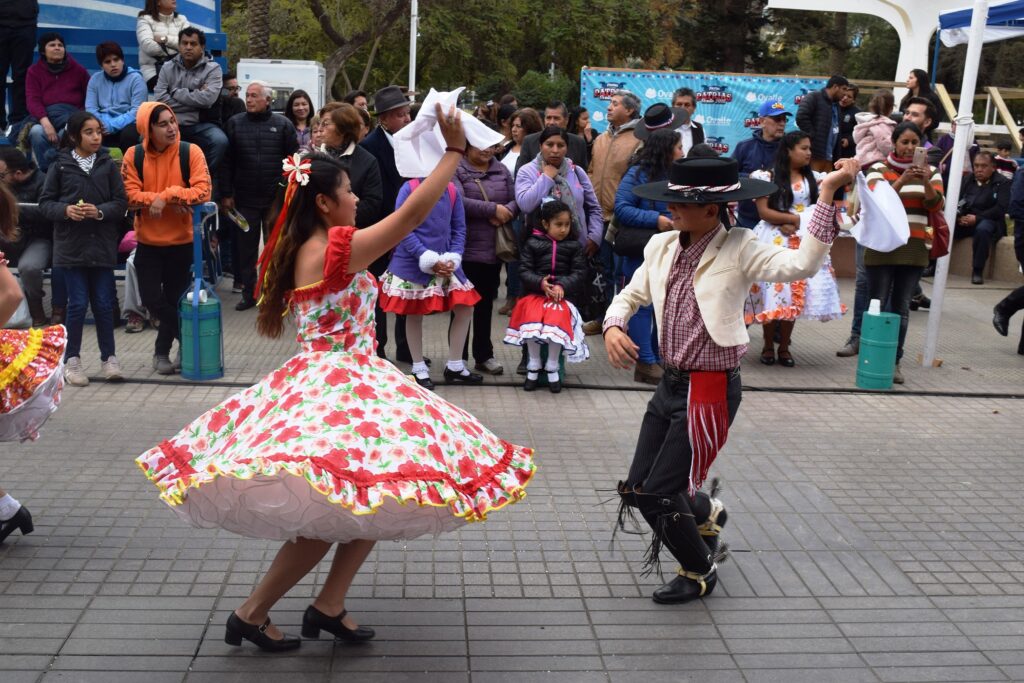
x,y
425,276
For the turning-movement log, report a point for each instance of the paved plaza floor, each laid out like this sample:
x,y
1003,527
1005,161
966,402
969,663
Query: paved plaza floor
x,y
876,537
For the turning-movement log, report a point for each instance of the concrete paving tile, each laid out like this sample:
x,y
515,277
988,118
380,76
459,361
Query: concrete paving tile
x,y
941,673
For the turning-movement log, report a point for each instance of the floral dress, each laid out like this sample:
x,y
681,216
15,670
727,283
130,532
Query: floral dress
x,y
816,298
337,444
31,379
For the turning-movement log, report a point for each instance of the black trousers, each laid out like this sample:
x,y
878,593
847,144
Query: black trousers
x,y
1014,302
380,318
486,278
122,139
661,464
248,248
164,274
17,47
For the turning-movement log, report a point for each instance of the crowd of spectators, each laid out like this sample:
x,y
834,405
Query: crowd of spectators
x,y
187,133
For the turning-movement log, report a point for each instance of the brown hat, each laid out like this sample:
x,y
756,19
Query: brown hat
x,y
388,98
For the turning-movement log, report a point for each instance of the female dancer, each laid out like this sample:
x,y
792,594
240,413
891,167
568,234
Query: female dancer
x,y
336,445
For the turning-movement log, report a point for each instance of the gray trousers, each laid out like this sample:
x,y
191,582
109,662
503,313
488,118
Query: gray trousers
x,y
32,261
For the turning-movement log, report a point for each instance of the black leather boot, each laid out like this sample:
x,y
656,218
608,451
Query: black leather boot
x,y
673,525
687,586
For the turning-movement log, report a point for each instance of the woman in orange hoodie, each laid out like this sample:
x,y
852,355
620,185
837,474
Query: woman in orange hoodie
x,y
163,225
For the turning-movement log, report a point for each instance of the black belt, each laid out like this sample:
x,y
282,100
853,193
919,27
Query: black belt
x,y
678,376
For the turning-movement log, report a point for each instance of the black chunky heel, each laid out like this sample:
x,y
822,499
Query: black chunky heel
x,y
257,635
314,621
22,520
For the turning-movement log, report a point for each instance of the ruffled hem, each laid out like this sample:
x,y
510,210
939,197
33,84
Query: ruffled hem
x,y
353,493
30,358
24,422
438,296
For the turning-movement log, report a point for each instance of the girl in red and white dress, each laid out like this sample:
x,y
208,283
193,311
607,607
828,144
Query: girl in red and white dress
x,y
31,371
425,276
552,269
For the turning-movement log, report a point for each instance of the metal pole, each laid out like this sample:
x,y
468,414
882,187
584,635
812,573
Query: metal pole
x,y
964,137
414,27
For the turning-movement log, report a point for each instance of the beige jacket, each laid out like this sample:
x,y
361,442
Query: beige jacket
x,y
609,161
733,261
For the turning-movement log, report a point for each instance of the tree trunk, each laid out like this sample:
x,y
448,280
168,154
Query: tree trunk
x,y
839,45
259,29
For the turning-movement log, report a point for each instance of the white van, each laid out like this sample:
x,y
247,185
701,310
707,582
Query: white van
x,y
284,76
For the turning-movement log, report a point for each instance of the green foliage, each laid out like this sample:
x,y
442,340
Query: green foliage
x,y
535,90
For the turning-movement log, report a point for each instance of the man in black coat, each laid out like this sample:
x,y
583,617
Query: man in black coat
x,y
691,132
818,116
17,44
392,111
34,247
257,142
982,211
555,114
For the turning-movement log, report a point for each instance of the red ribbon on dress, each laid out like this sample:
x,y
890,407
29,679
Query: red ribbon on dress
x,y
268,250
707,423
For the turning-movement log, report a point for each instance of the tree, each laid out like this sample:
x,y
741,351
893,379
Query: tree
x,y
259,28
382,16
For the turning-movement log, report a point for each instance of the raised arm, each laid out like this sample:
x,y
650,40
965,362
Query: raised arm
x,y
372,242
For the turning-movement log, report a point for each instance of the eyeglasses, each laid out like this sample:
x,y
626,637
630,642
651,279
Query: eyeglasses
x,y
234,88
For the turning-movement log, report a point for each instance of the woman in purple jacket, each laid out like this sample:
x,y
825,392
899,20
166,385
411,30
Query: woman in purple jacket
x,y
489,197
425,276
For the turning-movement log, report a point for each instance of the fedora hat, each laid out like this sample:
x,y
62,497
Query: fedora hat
x,y
388,98
660,117
704,181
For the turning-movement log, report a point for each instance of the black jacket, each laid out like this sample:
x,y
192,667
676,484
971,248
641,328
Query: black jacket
x,y
88,243
376,143
19,14
364,174
570,266
251,170
230,106
990,200
814,117
577,150
847,121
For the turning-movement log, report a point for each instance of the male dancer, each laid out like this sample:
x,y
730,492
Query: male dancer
x,y
697,276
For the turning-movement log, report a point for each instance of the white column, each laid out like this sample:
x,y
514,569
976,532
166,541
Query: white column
x,y
414,27
964,137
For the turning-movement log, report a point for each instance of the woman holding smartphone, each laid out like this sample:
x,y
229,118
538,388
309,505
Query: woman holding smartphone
x,y
893,276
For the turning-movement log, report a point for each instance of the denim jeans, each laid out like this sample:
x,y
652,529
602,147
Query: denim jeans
x,y
214,143
987,233
512,287
641,327
43,151
58,284
90,287
860,296
894,286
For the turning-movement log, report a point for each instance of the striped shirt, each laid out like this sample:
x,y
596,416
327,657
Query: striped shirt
x,y
914,252
85,163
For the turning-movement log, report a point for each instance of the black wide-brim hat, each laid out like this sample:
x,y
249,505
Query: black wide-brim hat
x,y
388,98
704,181
660,116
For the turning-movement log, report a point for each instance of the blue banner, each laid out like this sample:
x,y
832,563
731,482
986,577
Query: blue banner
x,y
726,103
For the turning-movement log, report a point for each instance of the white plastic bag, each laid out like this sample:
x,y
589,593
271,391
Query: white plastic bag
x,y
883,222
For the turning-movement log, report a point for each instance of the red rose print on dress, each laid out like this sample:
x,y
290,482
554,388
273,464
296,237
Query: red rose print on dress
x,y
413,428
365,392
288,434
337,376
292,401
219,420
368,430
327,321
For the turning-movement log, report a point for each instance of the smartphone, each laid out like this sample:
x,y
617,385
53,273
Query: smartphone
x,y
920,156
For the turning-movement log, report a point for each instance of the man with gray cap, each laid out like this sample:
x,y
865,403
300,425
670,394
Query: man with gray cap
x,y
757,153
391,108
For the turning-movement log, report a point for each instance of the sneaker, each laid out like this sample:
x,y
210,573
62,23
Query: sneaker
x,y
977,279
134,323
852,348
74,374
162,364
491,366
897,376
236,288
593,327
111,369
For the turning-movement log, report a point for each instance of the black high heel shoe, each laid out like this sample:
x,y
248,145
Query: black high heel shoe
x,y
314,621
22,519
257,635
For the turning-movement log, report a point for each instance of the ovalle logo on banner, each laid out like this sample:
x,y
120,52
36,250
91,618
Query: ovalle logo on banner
x,y
726,103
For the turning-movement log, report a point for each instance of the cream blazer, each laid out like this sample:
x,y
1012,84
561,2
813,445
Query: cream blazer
x,y
733,261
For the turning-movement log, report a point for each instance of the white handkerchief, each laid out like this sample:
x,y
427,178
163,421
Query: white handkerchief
x,y
420,145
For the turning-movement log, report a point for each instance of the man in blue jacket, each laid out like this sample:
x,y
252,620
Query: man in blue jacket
x,y
758,153
114,96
